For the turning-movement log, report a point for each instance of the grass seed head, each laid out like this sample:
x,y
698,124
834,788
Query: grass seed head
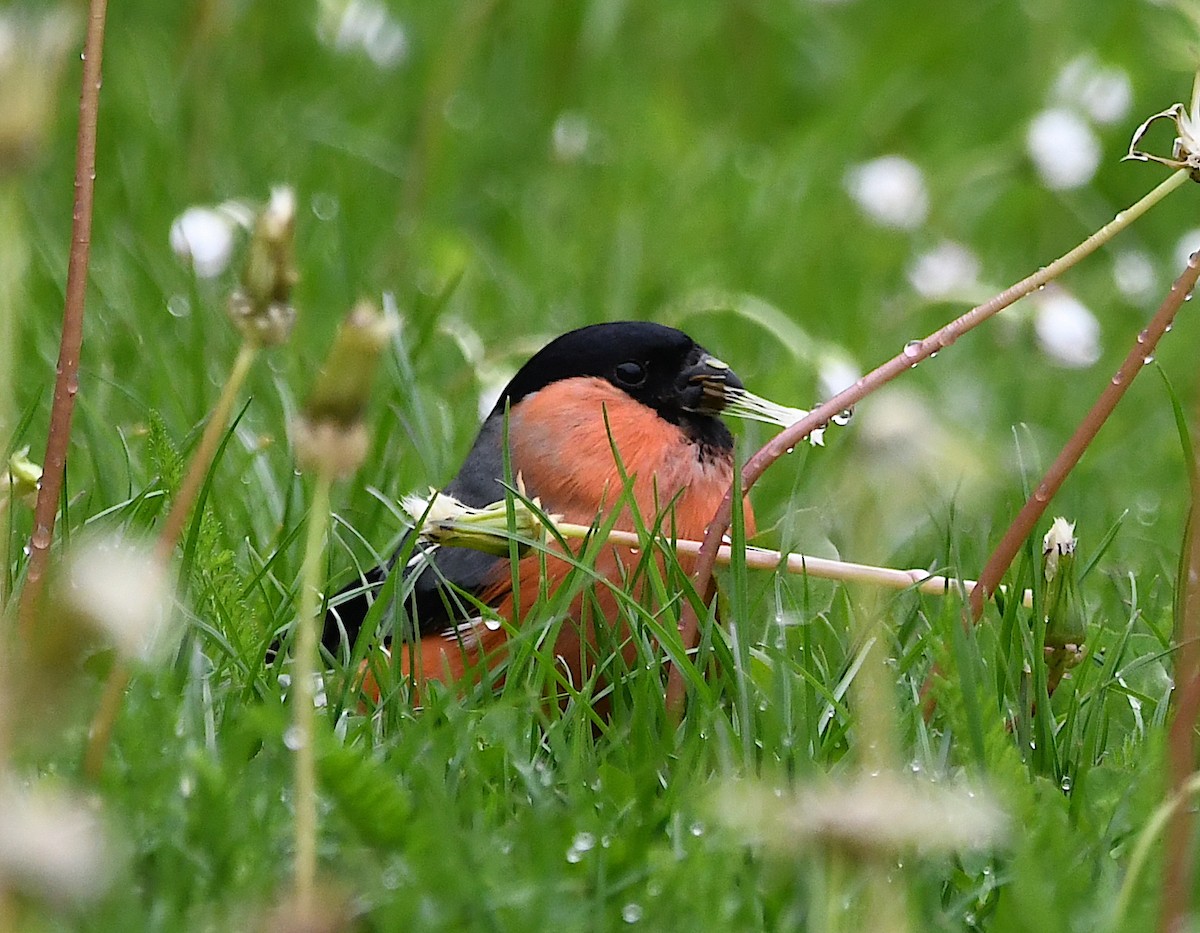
x,y
330,435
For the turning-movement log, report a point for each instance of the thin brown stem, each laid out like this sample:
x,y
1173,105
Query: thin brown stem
x,y
202,460
913,353
67,383
105,719
1181,737
1135,361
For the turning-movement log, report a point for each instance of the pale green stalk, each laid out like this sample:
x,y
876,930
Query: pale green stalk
x,y
821,567
1144,846
304,666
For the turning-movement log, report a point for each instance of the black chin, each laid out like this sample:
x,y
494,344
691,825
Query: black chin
x,y
708,431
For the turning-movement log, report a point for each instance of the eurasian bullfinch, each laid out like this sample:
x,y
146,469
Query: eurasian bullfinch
x,y
632,398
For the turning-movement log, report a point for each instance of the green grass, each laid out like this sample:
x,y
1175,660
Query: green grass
x,y
709,195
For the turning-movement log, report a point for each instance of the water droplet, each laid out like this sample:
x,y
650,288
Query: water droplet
x,y
631,912
1065,784
179,306
790,450
1118,378
696,829
1148,359
912,349
1142,336
492,624
186,785
843,417
325,206
634,550
580,846
1168,328
293,738
41,537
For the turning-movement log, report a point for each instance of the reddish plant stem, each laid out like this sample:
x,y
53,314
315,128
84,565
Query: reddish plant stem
x,y
1175,907
1025,522
912,354
67,383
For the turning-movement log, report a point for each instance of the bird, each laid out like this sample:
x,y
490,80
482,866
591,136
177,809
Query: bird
x,y
608,408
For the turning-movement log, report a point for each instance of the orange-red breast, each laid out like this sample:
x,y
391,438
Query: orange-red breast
x,y
641,392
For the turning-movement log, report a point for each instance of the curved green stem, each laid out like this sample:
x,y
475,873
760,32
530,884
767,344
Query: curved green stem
x,y
1143,847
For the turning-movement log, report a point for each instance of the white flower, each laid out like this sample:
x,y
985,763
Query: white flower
x,y
124,592
1103,92
835,373
52,846
365,25
203,237
570,136
1059,540
1066,330
883,815
947,271
280,213
890,190
1133,274
1065,151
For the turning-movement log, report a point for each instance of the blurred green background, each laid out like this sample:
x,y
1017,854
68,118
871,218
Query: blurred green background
x,y
510,170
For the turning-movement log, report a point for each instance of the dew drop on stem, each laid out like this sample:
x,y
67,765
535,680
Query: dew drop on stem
x,y
41,537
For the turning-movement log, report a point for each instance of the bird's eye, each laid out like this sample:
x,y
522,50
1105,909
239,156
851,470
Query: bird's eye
x,y
631,374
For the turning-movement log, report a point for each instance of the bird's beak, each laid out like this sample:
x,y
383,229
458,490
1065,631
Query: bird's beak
x,y
707,385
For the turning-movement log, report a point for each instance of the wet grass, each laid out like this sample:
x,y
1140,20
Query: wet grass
x,y
530,168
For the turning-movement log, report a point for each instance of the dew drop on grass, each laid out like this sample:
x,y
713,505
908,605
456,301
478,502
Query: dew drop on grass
x,y
325,206
293,738
631,912
696,829
186,786
491,624
581,845
179,306
1065,784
